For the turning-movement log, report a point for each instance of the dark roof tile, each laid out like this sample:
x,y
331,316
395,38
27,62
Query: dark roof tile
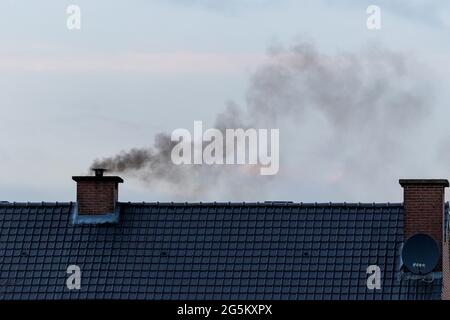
x,y
206,251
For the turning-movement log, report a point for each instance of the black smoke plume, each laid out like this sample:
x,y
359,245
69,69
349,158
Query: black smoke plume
x,y
359,105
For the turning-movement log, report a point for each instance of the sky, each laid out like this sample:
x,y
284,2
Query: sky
x,y
137,68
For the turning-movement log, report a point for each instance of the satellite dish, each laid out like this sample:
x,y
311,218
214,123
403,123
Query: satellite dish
x,y
420,254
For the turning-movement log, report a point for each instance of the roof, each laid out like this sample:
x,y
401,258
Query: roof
x,y
238,251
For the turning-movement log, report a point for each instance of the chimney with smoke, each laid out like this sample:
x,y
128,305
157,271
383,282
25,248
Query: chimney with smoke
x,y
98,194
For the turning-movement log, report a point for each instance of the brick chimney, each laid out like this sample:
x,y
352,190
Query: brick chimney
x,y
424,212
98,194
424,205
424,201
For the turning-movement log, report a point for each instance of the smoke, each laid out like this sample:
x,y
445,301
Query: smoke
x,y
346,114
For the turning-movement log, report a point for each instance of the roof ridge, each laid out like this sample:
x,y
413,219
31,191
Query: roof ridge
x,y
268,203
35,204
221,204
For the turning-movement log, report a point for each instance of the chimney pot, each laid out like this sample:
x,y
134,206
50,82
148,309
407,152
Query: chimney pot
x,y
99,172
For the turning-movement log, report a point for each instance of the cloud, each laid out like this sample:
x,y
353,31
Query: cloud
x,y
160,63
227,5
431,13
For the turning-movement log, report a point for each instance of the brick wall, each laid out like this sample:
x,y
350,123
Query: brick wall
x,y
424,210
96,197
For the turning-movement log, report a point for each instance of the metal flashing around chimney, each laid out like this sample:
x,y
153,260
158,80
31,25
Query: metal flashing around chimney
x,y
429,278
98,179
83,219
441,182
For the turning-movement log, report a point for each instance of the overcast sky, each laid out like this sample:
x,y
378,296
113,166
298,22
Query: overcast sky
x,y
137,68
